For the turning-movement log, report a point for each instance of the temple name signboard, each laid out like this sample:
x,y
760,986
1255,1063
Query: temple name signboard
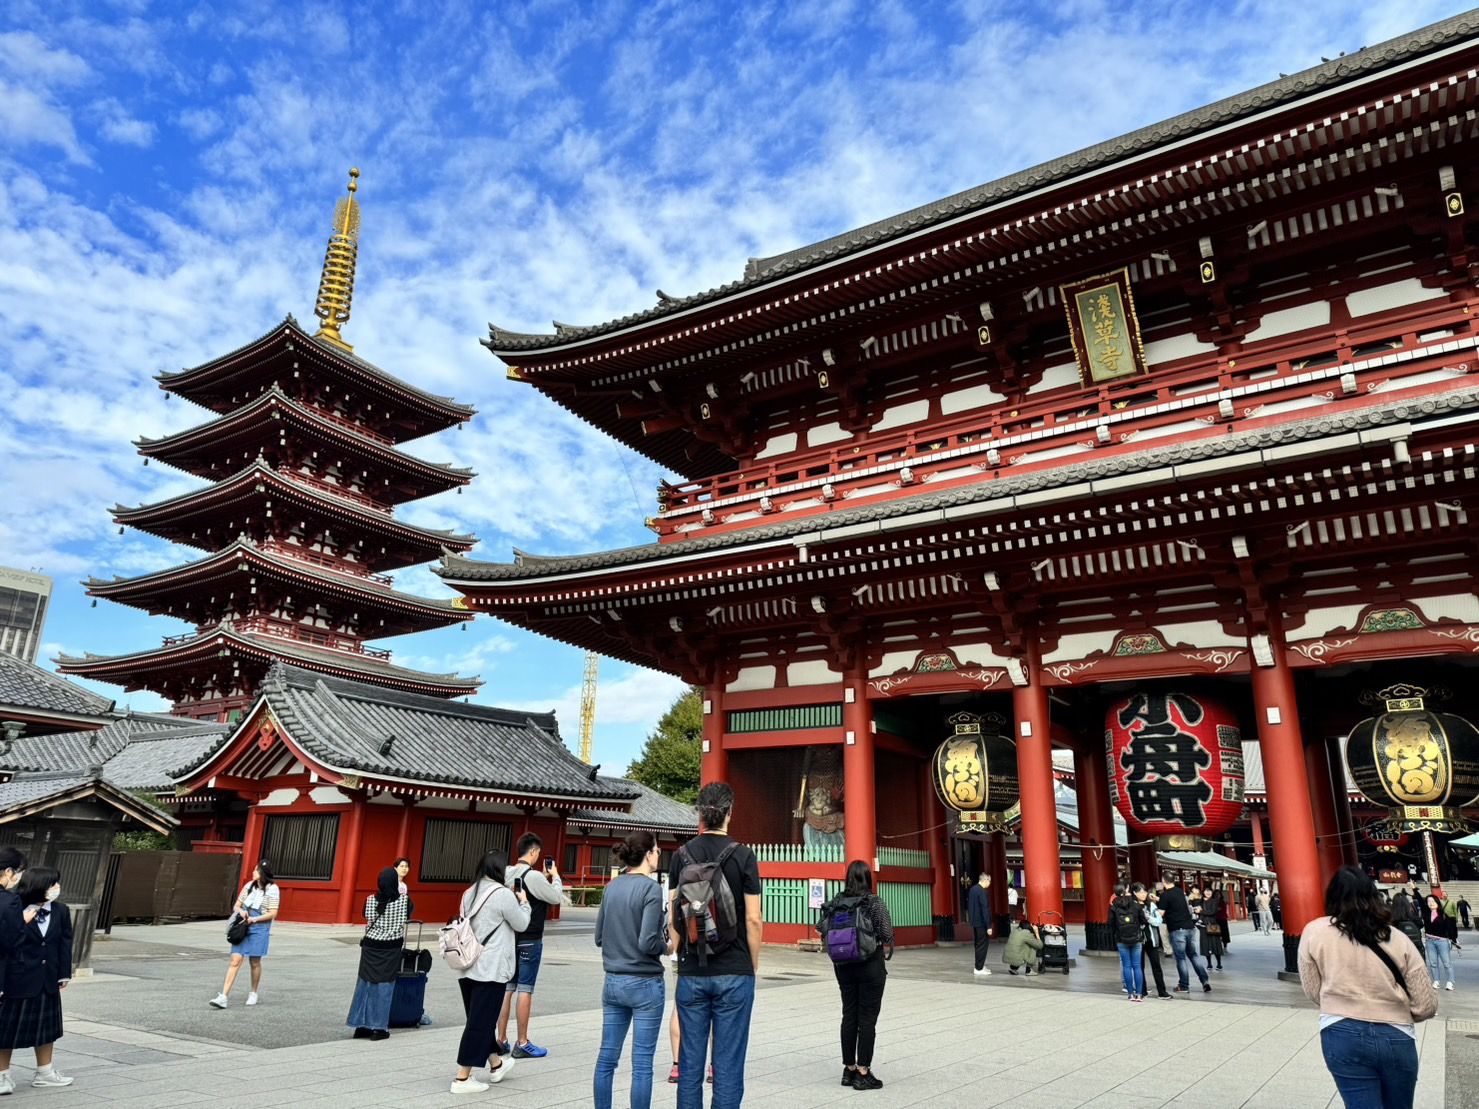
x,y
1104,327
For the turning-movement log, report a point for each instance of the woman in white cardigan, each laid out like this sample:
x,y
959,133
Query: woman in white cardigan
x,y
496,914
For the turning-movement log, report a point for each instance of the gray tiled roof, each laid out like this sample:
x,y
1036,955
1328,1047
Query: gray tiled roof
x,y
135,751
27,686
651,810
28,790
406,736
460,568
1318,78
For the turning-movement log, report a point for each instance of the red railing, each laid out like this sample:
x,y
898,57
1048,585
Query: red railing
x,y
296,633
1036,425
335,418
336,490
328,562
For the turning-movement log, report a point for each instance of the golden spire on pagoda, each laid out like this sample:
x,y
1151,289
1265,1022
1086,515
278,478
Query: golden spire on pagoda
x,y
336,286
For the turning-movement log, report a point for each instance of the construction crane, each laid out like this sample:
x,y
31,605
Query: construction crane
x,y
588,706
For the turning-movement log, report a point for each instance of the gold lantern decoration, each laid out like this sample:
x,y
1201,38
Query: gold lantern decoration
x,y
975,772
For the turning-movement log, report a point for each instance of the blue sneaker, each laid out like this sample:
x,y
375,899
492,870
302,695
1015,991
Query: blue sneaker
x,y
529,1051
500,1047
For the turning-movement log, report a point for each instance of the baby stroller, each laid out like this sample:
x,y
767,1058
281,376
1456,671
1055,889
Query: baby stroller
x,y
1054,938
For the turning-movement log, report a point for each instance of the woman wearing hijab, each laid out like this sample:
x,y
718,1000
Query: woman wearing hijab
x,y
386,912
37,968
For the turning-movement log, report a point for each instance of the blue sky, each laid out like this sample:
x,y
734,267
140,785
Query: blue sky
x,y
168,172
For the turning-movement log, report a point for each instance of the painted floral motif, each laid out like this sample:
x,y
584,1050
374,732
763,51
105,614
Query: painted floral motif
x,y
1390,620
940,663
1220,659
1139,643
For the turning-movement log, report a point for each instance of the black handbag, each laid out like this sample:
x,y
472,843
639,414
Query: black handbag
x,y
237,929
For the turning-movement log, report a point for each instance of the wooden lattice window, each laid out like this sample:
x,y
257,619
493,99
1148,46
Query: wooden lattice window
x,y
453,849
301,847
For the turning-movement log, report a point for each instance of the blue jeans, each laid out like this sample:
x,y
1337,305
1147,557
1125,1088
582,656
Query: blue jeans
x,y
529,956
1184,947
1439,965
1374,1065
1132,970
628,998
717,1006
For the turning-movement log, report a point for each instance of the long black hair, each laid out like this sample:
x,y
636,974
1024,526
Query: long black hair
x,y
859,879
493,865
35,882
1358,914
266,874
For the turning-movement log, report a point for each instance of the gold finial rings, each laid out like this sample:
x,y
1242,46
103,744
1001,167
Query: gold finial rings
x,y
353,178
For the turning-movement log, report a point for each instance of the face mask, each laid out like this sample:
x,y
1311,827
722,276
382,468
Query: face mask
x,y
53,893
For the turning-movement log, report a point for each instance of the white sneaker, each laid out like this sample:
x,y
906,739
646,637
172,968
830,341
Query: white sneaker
x,y
55,1078
499,1073
1449,986
984,972
468,1086
219,1001
252,998
7,1084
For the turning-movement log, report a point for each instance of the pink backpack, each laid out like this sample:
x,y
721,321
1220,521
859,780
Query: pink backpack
x,y
459,944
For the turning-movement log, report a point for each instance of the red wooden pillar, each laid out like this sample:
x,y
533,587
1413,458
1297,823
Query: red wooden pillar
x,y
1096,842
1144,866
403,834
1255,822
1044,875
1344,820
251,843
932,818
1322,805
1291,820
715,766
860,826
350,835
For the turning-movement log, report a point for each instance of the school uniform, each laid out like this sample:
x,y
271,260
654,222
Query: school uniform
x,y
37,963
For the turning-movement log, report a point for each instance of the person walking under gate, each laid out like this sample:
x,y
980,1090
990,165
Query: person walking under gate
x,y
1372,989
978,916
1176,912
1128,921
1150,948
1439,932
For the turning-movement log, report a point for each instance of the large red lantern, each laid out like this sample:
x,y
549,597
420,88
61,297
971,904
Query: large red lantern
x,y
1175,766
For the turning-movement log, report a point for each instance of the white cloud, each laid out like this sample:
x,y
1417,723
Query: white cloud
x,y
29,118
25,54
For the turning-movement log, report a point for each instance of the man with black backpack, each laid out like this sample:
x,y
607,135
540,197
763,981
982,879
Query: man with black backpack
x,y
715,884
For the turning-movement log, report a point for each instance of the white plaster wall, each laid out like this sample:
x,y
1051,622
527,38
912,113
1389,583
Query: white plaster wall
x,y
984,653
1200,633
779,444
1051,452
1320,622
752,677
1078,645
1394,295
1288,320
1291,405
893,660
900,414
977,396
1176,346
813,672
448,804
1452,606
385,799
1056,377
1180,427
494,807
328,795
279,797
823,434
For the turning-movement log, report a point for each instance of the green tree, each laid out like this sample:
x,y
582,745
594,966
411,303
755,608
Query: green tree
x,y
670,759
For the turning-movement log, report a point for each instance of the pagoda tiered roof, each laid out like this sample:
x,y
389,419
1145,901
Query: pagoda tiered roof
x,y
191,591
218,650
224,384
257,428
259,492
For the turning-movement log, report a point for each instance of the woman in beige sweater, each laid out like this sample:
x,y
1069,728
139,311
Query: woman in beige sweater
x,y
1372,988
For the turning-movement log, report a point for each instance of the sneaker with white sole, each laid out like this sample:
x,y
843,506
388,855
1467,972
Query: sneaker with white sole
x,y
468,1086
54,1078
1449,986
984,972
499,1073
7,1084
219,1001
252,998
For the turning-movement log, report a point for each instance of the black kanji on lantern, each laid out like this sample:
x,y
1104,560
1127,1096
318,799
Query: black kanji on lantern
x,y
1163,763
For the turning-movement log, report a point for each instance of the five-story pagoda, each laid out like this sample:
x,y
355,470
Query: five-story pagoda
x,y
298,519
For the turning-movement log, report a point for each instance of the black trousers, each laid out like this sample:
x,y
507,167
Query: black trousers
x,y
862,996
481,1001
1152,952
983,945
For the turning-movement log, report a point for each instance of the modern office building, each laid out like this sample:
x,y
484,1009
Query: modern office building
x,y
23,600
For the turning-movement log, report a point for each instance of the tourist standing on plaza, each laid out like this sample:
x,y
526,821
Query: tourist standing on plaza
x,y
1464,908
1212,927
632,933
544,889
1177,913
37,967
862,982
978,916
1263,919
495,912
1024,948
1128,920
1439,932
257,902
1011,901
386,912
402,868
1150,947
1371,988
1276,909
713,877
1407,918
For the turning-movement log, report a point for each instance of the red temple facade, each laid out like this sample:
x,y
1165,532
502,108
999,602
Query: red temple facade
x,y
298,521
1192,411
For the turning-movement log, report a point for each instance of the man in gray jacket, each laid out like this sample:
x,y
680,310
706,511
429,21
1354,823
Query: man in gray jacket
x,y
544,889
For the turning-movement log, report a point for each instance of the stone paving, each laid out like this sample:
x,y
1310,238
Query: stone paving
x,y
944,1038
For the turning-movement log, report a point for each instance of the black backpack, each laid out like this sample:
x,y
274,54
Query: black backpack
x,y
1127,921
708,914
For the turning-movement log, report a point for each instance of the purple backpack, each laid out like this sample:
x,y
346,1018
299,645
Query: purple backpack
x,y
847,930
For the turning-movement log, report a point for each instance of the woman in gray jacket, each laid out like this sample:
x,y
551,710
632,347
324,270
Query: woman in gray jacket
x,y
496,913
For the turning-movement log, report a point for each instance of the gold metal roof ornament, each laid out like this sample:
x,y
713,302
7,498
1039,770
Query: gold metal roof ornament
x,y
336,286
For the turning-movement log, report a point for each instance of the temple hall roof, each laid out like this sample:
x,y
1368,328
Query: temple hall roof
x,y
1283,91
28,794
651,810
27,688
133,751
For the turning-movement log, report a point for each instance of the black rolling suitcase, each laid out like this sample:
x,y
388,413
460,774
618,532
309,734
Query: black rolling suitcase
x,y
408,1001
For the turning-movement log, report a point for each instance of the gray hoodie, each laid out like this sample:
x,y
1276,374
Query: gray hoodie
x,y
631,930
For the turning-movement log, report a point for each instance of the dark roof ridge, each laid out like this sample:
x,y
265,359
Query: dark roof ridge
x,y
284,674
455,567
1098,156
90,703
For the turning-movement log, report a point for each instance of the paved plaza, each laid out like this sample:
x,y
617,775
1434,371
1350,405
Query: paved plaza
x,y
140,1033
